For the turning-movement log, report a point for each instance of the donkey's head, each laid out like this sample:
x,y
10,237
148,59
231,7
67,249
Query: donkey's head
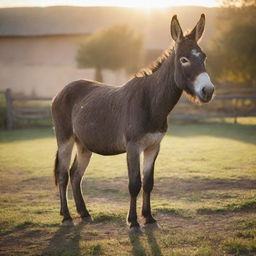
x,y
190,74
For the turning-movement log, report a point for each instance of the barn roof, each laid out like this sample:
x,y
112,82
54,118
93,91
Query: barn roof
x,y
67,20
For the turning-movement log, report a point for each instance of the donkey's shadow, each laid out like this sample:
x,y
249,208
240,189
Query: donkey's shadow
x,y
65,240
137,247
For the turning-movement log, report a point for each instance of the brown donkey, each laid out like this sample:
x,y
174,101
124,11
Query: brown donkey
x,y
132,118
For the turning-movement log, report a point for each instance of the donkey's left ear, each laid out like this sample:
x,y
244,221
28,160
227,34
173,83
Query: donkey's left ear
x,y
175,29
198,30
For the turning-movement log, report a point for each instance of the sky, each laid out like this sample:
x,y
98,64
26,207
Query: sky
x,y
127,3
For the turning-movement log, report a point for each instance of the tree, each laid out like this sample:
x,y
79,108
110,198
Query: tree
x,y
114,48
237,3
233,53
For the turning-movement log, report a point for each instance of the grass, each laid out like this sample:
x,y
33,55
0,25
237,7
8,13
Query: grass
x,y
238,246
204,196
233,207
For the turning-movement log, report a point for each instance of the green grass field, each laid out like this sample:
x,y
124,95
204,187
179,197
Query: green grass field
x,y
204,196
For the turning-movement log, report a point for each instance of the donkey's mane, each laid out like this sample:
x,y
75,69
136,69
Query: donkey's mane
x,y
154,66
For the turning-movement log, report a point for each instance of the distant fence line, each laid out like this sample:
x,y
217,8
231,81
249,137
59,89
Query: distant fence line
x,y
15,112
235,110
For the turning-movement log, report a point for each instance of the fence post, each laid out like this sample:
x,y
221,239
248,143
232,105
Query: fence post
x,y
9,109
235,111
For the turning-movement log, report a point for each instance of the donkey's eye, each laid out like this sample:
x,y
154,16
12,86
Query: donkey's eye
x,y
184,61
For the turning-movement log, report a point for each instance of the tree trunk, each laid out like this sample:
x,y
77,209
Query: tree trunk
x,y
98,75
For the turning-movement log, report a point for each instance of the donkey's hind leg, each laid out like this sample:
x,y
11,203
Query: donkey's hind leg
x,y
76,174
61,175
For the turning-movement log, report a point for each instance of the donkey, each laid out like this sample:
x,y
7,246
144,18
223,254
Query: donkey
x,y
132,118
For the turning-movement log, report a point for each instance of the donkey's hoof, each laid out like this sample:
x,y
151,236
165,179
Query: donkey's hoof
x,y
152,226
136,230
87,219
67,222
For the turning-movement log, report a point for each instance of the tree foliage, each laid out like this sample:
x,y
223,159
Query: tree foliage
x,y
233,52
114,48
237,3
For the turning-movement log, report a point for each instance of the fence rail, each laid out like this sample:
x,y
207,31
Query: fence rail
x,y
15,112
223,106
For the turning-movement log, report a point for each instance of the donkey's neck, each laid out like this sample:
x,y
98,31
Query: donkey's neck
x,y
163,93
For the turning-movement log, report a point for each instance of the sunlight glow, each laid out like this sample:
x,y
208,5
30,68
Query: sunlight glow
x,y
145,4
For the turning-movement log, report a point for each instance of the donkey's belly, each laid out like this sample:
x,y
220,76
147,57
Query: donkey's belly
x,y
102,141
106,150
114,146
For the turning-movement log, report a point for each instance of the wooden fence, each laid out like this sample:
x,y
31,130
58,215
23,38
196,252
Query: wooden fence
x,y
222,106
16,112
18,108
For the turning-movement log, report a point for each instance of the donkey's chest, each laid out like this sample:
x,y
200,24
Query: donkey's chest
x,y
150,139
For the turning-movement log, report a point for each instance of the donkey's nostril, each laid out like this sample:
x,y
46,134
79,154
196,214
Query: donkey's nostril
x,y
204,91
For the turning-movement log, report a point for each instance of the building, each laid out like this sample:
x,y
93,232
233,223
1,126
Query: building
x,y
38,46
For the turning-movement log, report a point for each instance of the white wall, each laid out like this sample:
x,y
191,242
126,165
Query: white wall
x,y
48,80
44,65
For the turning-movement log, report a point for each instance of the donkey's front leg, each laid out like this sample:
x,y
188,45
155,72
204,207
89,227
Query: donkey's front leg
x,y
133,162
150,155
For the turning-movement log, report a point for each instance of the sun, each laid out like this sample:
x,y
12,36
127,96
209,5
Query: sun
x,y
145,4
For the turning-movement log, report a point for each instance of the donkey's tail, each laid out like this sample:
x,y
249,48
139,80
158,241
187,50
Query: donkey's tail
x,y
56,169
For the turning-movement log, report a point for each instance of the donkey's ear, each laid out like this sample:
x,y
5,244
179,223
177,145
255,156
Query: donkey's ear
x,y
198,30
175,29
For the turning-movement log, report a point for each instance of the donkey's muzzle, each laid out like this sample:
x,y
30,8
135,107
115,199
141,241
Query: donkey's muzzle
x,y
203,87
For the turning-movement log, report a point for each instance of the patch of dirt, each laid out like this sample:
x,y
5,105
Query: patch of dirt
x,y
174,186
19,241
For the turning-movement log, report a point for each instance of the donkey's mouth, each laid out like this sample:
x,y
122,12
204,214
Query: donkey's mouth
x,y
205,98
